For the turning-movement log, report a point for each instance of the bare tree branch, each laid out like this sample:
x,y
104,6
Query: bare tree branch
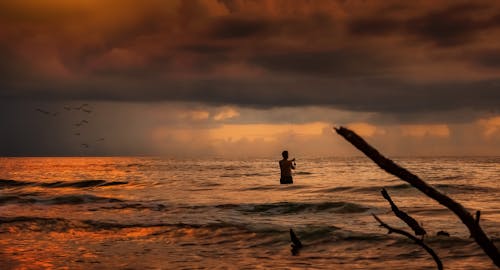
x,y
411,222
415,239
389,166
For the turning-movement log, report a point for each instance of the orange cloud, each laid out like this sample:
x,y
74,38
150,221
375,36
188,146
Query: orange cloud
x,y
266,132
491,126
226,113
196,115
365,129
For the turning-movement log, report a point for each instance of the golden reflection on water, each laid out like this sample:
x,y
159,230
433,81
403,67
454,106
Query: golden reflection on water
x,y
66,168
48,250
64,249
168,248
158,192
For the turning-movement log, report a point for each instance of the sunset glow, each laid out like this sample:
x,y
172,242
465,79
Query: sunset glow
x,y
241,134
249,70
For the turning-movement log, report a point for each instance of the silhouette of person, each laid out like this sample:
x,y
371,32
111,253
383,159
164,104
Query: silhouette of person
x,y
286,167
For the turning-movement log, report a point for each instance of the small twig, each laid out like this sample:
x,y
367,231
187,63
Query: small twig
x,y
476,220
411,222
296,244
415,239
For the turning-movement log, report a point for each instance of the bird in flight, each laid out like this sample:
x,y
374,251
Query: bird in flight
x,y
82,107
42,111
81,123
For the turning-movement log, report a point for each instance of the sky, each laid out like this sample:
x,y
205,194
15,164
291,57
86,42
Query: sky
x,y
248,78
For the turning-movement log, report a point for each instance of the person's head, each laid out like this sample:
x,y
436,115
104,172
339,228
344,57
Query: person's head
x,y
285,154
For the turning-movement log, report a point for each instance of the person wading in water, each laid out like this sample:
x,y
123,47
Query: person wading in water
x,y
286,167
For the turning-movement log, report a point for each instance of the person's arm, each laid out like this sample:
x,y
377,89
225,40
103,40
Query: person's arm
x,y
292,163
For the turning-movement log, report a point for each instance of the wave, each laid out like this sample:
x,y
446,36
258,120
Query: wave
x,y
136,206
303,173
135,165
335,189
49,222
267,235
37,224
445,187
311,233
292,187
61,184
237,175
15,199
293,208
82,184
211,184
232,168
67,199
13,183
80,199
225,231
259,188
213,229
451,177
465,188
379,188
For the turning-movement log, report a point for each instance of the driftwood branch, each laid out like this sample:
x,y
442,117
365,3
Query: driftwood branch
x,y
296,244
415,239
389,166
411,222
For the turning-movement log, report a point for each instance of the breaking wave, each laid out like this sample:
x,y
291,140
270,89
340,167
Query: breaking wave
x,y
459,188
66,199
61,184
292,208
269,234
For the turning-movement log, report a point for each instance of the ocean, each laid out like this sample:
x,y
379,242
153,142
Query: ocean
x,y
157,213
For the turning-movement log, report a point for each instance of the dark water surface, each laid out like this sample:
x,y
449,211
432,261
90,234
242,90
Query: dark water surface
x,y
153,213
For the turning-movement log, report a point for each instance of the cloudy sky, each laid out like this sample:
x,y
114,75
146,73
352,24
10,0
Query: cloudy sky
x,y
240,78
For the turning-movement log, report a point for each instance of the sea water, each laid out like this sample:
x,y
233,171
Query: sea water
x,y
156,213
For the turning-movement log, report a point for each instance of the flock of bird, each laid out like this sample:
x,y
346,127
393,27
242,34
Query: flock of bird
x,y
83,108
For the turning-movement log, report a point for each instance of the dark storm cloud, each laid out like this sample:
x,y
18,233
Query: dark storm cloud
x,y
369,94
205,48
255,53
228,28
11,12
342,62
375,25
270,61
487,58
449,26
